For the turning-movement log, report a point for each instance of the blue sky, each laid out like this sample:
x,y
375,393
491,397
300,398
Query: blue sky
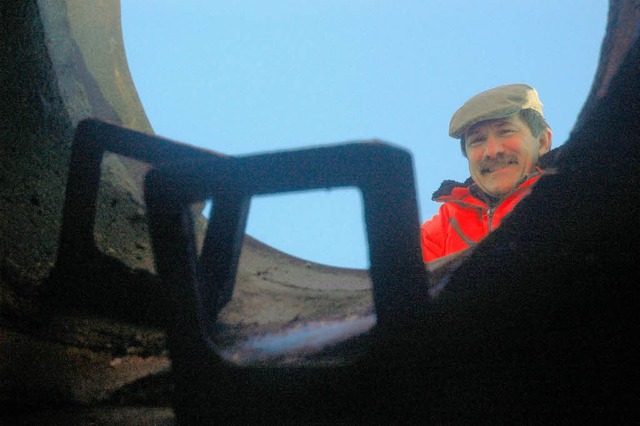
x,y
242,77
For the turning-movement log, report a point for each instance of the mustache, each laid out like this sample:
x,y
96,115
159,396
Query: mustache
x,y
500,161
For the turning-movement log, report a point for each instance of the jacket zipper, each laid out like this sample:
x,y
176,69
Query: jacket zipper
x,y
456,227
490,212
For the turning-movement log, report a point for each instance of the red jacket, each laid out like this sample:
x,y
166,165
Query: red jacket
x,y
464,219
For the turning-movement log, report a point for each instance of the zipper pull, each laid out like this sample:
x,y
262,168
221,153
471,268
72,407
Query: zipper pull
x,y
490,212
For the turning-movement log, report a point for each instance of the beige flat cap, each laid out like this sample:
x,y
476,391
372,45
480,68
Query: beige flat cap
x,y
499,102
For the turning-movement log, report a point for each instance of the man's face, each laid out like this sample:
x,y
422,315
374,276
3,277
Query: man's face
x,y
501,151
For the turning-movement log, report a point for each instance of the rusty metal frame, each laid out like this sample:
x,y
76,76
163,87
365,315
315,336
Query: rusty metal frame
x,y
93,139
206,386
197,285
84,276
383,173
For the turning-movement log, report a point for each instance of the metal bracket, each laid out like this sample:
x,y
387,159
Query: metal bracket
x,y
383,173
208,389
92,140
84,276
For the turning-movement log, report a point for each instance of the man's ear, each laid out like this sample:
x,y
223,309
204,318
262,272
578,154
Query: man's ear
x,y
545,141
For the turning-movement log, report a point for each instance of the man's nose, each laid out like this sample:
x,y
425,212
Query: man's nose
x,y
493,147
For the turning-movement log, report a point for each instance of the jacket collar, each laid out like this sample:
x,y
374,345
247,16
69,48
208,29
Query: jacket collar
x,y
451,190
447,187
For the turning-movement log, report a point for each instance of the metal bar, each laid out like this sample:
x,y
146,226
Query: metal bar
x,y
206,386
92,140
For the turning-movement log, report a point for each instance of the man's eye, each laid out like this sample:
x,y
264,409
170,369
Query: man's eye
x,y
507,131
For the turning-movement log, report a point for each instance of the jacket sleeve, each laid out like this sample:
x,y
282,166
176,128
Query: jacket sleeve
x,y
433,236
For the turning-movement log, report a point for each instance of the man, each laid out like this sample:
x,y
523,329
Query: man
x,y
502,134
